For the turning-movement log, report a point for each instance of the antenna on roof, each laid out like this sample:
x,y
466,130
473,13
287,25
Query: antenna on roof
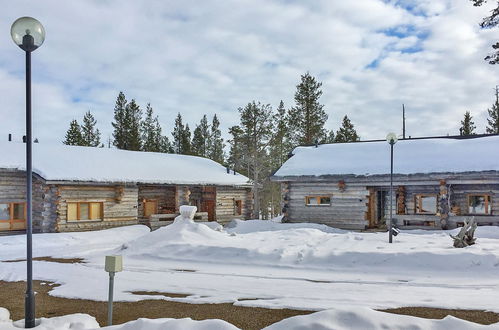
x,y
403,121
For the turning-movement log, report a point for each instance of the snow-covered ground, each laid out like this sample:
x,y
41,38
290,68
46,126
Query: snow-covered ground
x,y
273,265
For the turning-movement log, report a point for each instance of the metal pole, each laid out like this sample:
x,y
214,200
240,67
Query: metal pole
x,y
110,299
29,298
391,193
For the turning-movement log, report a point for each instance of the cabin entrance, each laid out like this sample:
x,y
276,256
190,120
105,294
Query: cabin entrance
x,y
208,202
12,216
150,207
376,207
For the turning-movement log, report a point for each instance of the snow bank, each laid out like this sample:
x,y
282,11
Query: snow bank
x,y
115,165
410,156
67,322
337,319
173,324
365,318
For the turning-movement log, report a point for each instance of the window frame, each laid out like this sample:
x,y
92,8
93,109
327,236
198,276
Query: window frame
x,y
11,211
78,211
318,197
488,202
420,204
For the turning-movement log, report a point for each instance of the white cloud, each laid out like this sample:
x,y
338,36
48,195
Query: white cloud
x,y
212,57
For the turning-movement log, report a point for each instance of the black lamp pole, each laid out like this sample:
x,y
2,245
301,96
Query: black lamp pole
x,y
29,297
28,34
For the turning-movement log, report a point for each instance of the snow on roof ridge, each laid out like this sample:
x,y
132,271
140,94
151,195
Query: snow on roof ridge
x,y
433,155
77,163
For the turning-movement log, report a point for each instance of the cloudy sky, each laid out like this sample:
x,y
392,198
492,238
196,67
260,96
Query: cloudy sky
x,y
207,57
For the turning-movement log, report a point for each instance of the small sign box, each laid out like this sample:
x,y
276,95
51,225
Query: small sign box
x,y
114,264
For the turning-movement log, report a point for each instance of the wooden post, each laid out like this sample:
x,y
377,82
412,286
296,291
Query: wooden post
x,y
443,205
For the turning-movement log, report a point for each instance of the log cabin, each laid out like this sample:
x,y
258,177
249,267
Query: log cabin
x,y
438,183
83,188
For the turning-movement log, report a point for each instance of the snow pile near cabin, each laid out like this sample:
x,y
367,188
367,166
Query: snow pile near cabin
x,y
267,243
410,157
75,163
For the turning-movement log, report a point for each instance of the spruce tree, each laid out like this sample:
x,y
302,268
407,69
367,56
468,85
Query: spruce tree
x,y
119,124
178,132
467,125
493,119
133,119
186,141
347,132
216,142
166,145
308,117
73,135
151,131
201,138
90,134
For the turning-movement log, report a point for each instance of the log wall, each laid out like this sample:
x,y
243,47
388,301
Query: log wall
x,y
225,203
348,207
120,206
165,195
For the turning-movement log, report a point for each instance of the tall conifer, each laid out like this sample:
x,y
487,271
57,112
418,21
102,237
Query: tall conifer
x,y
216,142
119,124
90,134
73,135
308,117
467,125
347,132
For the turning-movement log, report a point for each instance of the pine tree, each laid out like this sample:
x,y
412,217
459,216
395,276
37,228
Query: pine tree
x,y
151,131
201,138
493,119
90,134
73,135
178,133
307,117
133,119
216,142
329,138
347,132
467,125
120,132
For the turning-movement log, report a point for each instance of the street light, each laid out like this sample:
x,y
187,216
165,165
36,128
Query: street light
x,y
391,138
28,34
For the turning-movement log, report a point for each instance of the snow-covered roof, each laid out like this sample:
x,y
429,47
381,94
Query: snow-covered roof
x,y
72,163
411,156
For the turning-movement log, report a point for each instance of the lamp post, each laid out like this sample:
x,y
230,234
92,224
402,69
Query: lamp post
x,y
28,34
391,138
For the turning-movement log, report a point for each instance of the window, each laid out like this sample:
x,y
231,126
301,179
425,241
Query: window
x,y
317,200
12,211
238,207
479,204
426,204
150,208
85,211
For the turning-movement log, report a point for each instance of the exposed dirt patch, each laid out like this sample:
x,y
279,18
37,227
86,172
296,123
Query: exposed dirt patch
x,y
156,293
50,259
12,298
185,270
477,316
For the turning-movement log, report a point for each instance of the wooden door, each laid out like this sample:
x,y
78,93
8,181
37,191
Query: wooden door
x,y
150,207
209,206
371,208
